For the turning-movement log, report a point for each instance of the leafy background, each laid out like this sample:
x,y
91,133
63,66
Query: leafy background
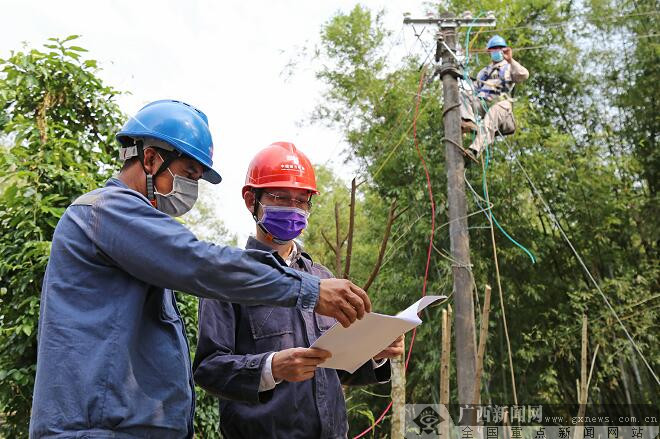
x,y
587,134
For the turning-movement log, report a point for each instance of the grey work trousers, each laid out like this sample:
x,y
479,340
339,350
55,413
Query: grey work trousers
x,y
499,116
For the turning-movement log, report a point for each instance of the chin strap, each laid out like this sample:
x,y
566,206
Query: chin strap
x,y
167,160
150,190
139,151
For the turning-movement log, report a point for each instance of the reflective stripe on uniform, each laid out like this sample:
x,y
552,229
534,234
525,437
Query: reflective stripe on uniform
x,y
86,199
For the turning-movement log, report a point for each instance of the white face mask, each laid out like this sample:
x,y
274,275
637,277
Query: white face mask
x,y
180,199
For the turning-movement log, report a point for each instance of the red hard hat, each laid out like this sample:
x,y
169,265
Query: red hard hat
x,y
280,165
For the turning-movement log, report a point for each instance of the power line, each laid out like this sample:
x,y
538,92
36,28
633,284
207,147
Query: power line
x,y
390,154
400,38
552,216
563,234
428,258
556,46
523,48
647,36
609,19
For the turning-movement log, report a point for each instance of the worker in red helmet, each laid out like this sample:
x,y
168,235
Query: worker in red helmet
x,y
112,358
280,168
257,359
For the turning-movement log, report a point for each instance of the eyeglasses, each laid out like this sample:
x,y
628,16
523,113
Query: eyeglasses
x,y
279,200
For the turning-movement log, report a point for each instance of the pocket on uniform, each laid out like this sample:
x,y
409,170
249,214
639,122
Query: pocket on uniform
x,y
168,311
508,123
324,323
272,327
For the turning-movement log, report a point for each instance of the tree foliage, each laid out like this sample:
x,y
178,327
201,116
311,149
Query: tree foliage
x,y
57,122
586,136
57,126
206,225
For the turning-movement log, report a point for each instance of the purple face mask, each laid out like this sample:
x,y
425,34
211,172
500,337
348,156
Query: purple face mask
x,y
284,223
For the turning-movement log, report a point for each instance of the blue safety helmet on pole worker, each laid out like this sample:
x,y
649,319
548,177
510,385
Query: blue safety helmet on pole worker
x,y
180,126
496,41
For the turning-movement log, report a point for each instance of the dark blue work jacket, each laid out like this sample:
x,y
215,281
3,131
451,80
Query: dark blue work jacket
x,y
113,360
234,343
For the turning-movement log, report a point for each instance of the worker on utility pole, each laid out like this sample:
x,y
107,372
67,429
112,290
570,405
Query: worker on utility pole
x,y
257,359
112,357
490,97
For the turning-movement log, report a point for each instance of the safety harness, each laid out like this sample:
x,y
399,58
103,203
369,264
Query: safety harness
x,y
496,72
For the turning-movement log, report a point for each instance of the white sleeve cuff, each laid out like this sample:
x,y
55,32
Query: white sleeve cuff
x,y
377,363
267,381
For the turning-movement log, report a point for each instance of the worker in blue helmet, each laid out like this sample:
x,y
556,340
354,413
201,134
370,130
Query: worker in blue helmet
x,y
112,356
175,131
490,97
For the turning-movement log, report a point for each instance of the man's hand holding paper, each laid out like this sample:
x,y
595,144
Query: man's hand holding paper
x,y
370,337
392,351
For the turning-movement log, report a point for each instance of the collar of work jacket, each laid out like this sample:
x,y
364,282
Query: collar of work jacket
x,y
301,259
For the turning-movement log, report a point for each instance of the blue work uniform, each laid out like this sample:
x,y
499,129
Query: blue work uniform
x,y
234,342
113,359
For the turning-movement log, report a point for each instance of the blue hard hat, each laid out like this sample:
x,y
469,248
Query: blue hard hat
x,y
180,125
496,41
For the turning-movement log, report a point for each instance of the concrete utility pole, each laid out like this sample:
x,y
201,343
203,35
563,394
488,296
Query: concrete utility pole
x,y
458,233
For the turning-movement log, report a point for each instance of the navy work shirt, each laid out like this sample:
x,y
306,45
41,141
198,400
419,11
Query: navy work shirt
x,y
234,343
113,360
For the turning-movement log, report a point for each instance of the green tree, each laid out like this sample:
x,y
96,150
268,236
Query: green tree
x,y
599,197
206,225
203,221
57,128
57,120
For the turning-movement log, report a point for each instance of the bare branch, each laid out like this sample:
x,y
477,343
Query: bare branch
x,y
339,244
398,214
351,229
327,241
343,241
383,245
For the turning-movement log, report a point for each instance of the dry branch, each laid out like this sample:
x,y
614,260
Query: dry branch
x,y
327,241
391,216
349,235
483,336
337,240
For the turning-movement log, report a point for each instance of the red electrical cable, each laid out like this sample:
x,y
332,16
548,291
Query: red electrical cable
x,y
428,256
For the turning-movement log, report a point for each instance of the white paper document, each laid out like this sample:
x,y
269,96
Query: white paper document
x,y
353,346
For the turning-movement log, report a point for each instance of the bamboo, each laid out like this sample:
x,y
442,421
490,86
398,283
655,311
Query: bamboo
x,y
445,363
483,335
582,394
398,396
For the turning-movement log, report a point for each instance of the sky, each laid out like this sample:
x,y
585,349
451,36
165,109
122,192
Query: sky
x,y
225,57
